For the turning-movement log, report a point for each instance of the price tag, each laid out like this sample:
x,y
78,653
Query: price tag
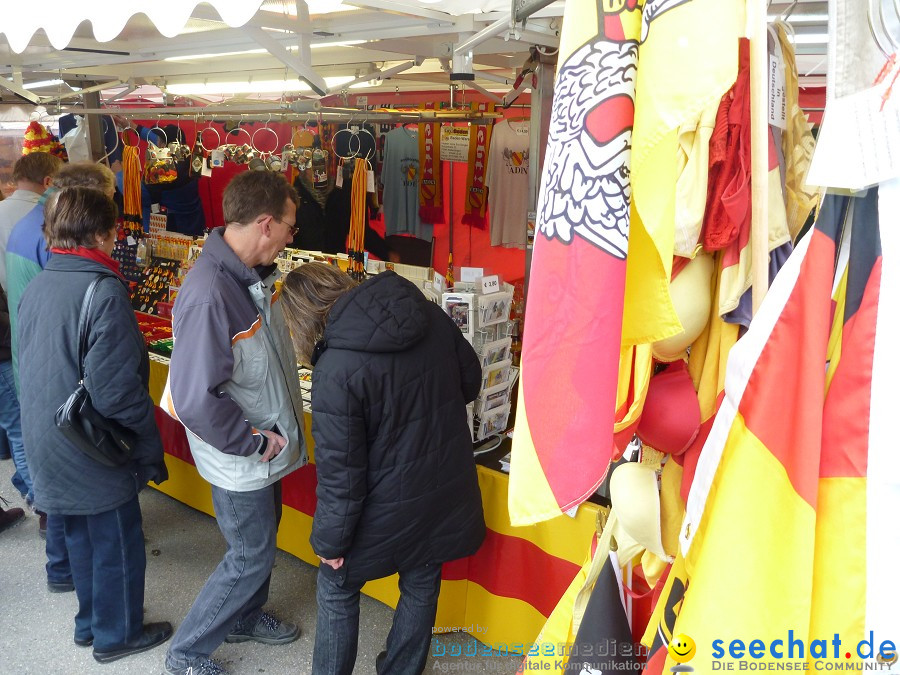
x,y
859,142
370,181
339,179
154,208
217,159
439,283
490,284
777,102
131,241
470,273
207,168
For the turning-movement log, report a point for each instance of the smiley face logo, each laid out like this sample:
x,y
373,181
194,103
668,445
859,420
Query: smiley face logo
x,y
682,648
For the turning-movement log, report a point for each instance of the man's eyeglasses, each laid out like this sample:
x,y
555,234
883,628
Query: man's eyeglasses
x,y
294,229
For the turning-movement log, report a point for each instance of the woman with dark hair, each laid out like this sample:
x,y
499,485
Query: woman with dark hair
x,y
397,488
98,503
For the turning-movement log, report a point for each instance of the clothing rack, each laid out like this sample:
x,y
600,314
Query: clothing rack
x,y
298,111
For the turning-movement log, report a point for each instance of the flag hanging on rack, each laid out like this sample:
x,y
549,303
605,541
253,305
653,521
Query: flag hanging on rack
x,y
580,284
570,358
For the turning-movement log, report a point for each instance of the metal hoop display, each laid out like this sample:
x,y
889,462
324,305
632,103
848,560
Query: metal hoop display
x,y
256,147
236,132
165,136
353,153
134,131
200,138
879,30
116,135
369,155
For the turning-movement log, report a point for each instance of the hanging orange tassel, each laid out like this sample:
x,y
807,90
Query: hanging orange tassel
x,y
358,221
131,185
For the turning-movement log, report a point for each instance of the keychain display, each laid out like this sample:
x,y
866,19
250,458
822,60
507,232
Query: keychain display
x,y
319,165
159,166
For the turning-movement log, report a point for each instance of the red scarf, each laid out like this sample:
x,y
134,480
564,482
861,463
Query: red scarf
x,y
94,254
431,203
476,193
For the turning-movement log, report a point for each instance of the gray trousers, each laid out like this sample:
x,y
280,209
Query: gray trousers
x,y
239,587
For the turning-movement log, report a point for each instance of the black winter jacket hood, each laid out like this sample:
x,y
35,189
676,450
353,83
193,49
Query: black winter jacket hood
x,y
385,314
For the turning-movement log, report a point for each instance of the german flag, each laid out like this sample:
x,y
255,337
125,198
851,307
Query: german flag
x,y
847,438
777,534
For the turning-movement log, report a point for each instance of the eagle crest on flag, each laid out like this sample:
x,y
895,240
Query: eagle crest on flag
x,y
587,191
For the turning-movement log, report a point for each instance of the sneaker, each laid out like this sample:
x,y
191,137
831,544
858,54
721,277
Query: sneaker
x,y
204,667
10,517
154,634
42,524
268,630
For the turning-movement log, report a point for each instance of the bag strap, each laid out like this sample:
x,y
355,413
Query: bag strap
x,y
83,320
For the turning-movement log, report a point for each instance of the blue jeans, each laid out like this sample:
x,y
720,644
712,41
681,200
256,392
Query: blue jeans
x,y
58,567
337,623
239,587
108,565
12,425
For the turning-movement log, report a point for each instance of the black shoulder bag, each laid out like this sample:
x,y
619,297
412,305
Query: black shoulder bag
x,y
103,440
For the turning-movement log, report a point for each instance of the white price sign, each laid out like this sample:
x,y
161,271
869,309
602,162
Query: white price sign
x,y
490,284
454,144
470,273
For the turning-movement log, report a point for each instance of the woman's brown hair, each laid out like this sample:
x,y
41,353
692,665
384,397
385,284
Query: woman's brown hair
x,y
76,216
308,293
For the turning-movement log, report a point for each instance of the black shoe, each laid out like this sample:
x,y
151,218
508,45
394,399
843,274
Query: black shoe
x,y
268,630
60,586
379,661
154,634
85,642
10,517
42,524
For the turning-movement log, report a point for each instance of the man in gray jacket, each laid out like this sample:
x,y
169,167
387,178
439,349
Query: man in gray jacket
x,y
233,384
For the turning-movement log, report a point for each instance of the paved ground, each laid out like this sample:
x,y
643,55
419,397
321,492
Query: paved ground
x,y
183,547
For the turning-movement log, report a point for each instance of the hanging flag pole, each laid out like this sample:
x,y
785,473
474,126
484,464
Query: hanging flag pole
x,y
759,149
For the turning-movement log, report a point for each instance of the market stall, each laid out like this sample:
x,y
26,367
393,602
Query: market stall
x,y
668,204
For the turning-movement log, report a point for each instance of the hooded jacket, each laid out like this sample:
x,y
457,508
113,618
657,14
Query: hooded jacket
x,y
234,371
397,485
116,374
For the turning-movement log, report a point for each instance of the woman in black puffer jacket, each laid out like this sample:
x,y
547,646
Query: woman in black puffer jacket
x,y
397,487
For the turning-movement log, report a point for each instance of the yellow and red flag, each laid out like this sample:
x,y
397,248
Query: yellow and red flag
x,y
601,264
573,327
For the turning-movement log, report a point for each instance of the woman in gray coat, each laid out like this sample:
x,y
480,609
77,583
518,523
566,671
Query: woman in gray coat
x,y
98,503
